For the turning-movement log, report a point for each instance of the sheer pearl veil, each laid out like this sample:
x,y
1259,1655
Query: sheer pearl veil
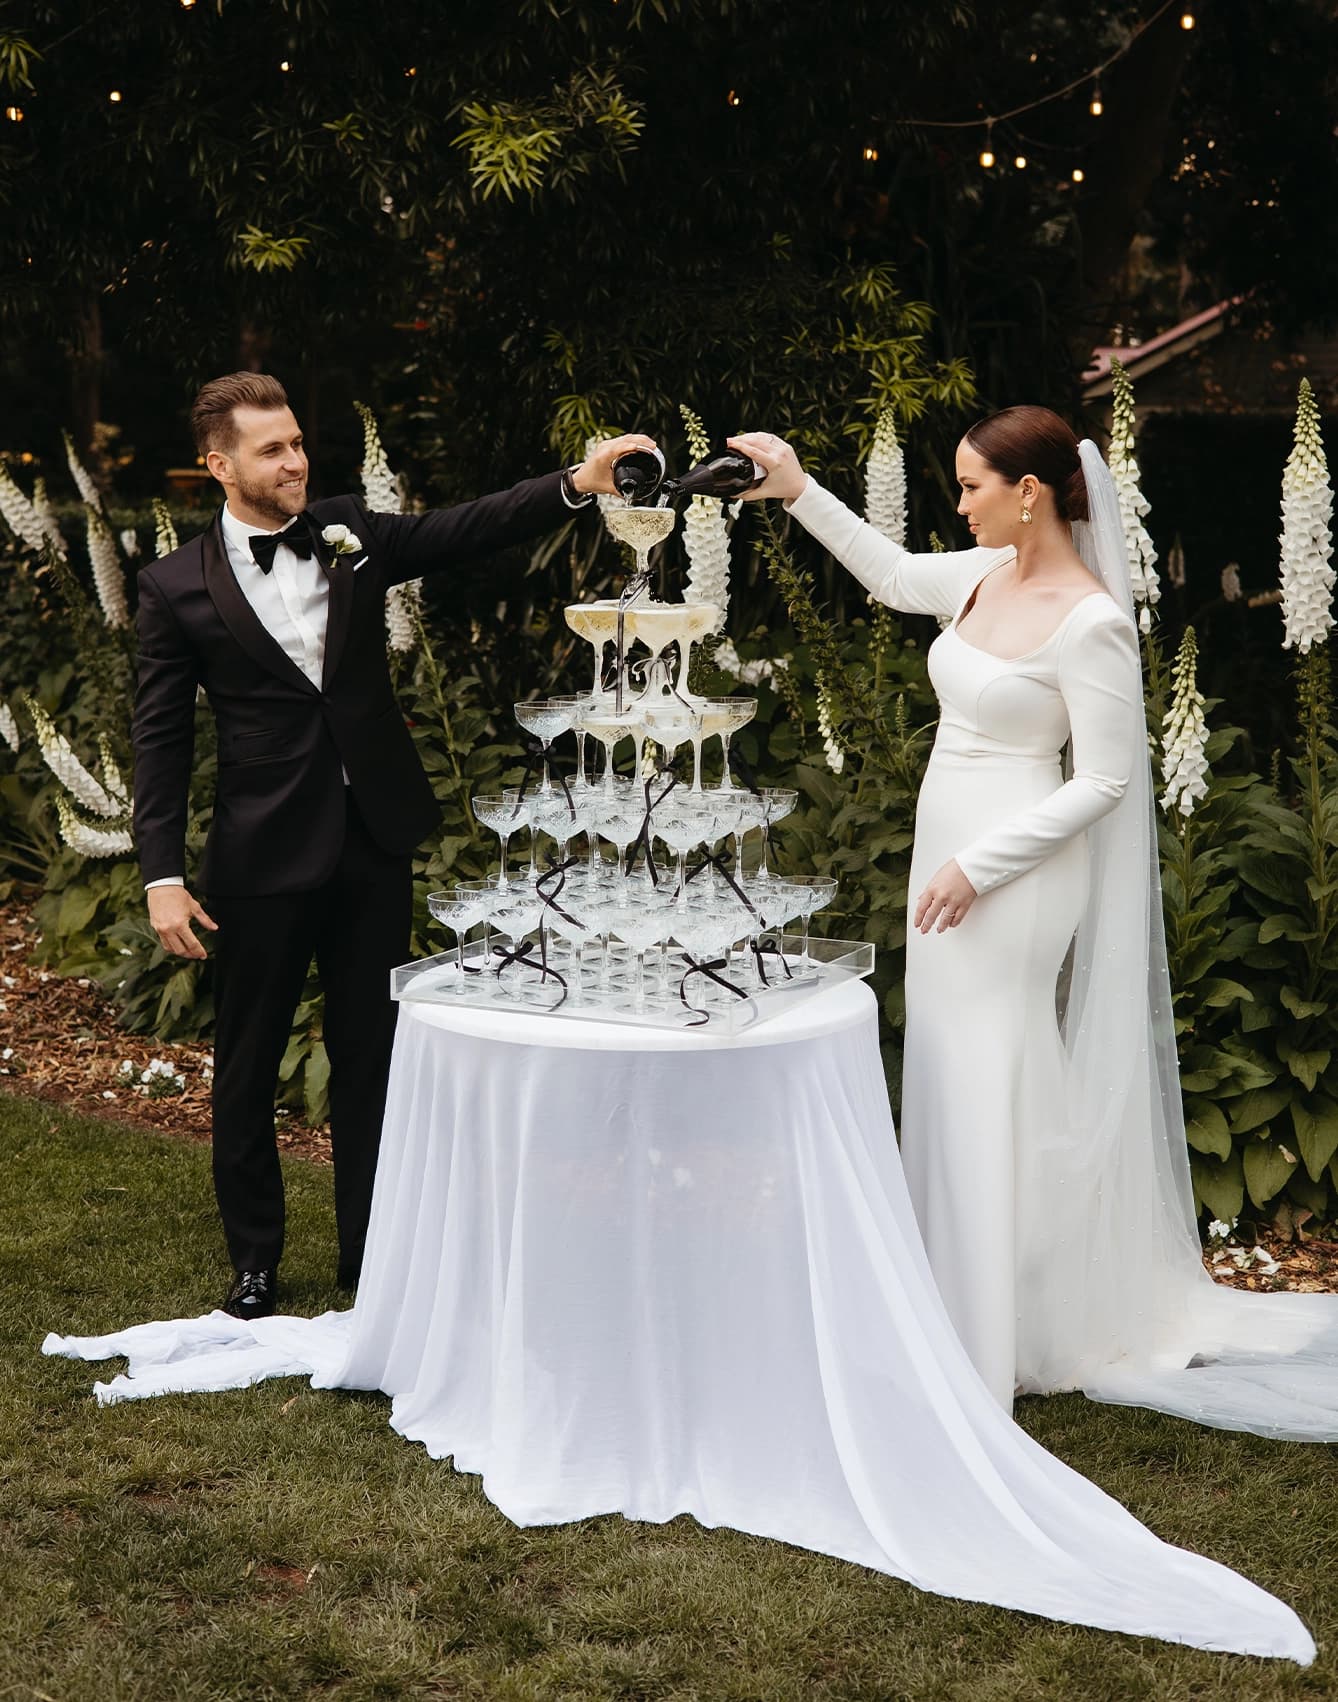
x,y
1127,1311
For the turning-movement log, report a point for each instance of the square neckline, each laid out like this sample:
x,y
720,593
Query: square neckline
x,y
964,609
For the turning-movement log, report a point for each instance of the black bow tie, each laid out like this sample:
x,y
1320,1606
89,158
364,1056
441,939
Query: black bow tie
x,y
297,537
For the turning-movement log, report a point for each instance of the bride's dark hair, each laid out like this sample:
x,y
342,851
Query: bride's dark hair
x,y
1033,440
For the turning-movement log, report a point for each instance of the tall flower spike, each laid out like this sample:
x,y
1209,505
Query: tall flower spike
x,y
1142,552
59,757
705,532
1307,545
164,531
381,492
87,840
111,773
108,574
20,515
9,727
47,515
831,750
885,480
1184,763
81,475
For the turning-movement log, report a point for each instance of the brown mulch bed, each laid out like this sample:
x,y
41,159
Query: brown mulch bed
x,y
67,1047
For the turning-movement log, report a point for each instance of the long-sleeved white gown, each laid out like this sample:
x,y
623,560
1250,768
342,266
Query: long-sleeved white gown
x,y
1048,1171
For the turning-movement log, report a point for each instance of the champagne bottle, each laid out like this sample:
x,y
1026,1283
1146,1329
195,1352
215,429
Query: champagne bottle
x,y
726,473
637,476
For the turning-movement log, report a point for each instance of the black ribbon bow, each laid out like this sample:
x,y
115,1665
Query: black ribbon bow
x,y
298,537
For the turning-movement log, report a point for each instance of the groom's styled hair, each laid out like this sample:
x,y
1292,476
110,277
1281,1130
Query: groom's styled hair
x,y
211,415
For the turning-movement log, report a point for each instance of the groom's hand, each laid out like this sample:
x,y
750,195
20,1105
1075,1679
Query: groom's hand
x,y
172,910
595,473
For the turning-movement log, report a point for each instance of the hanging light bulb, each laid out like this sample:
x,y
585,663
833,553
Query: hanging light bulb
x,y
284,65
1078,174
114,95
1187,20
1097,106
871,154
986,158
987,152
1020,162
14,114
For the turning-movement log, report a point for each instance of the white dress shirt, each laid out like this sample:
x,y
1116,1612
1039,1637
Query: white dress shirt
x,y
291,601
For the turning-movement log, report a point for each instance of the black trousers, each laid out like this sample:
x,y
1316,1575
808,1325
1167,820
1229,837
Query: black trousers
x,y
356,926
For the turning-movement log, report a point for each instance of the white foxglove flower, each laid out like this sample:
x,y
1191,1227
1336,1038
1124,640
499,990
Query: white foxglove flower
x,y
9,727
1134,505
91,841
164,532
706,540
130,541
380,489
20,515
81,476
1184,765
403,611
728,660
1307,545
383,493
47,515
59,757
1231,590
111,774
885,481
108,575
831,750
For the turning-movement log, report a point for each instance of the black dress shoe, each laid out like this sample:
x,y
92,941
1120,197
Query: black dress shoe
x,y
347,1276
252,1294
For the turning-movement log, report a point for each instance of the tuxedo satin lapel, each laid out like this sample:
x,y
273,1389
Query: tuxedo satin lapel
x,y
239,617
340,574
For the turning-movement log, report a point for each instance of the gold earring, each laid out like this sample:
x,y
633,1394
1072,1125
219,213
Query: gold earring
x,y
1026,515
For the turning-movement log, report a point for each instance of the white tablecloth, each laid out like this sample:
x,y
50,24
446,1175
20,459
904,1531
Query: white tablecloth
x,y
652,1272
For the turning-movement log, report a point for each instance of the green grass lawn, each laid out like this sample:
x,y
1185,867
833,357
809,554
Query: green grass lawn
x,y
276,1542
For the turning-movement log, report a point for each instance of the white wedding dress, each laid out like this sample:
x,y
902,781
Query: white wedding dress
x,y
1042,1131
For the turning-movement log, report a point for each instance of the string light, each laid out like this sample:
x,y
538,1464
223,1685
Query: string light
x,y
1078,174
1097,106
14,114
187,5
115,95
284,65
410,70
986,158
731,98
1021,162
987,152
871,154
1187,20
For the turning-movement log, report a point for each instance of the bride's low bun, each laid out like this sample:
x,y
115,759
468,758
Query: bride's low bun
x,y
1034,440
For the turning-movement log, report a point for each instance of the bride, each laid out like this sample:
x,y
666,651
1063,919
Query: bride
x,y
1046,1158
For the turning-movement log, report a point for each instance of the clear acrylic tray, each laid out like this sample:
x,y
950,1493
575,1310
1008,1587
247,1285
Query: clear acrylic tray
x,y
711,1009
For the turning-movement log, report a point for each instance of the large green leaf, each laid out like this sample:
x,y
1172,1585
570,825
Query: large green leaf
x,y
1219,1186
1316,1125
1267,1168
1207,1132
1259,1106
1307,1067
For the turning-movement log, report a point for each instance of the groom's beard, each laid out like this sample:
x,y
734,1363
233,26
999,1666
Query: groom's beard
x,y
278,506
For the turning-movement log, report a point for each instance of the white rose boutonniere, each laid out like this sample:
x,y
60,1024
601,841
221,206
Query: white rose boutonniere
x,y
344,541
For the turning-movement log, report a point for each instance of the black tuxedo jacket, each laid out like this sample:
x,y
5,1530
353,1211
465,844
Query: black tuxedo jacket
x,y
282,741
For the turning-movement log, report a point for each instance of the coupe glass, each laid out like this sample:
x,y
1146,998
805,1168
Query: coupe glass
x,y
597,624
777,802
545,719
554,814
518,912
503,813
821,891
722,717
457,911
610,730
641,927
484,895
776,900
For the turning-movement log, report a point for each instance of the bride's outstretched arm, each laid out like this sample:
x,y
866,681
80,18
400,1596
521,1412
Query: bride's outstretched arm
x,y
1101,684
931,584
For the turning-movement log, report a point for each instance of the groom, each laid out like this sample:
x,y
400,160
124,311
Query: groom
x,y
277,611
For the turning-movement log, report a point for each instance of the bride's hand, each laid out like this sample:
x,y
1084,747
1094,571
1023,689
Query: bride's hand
x,y
785,477
945,900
